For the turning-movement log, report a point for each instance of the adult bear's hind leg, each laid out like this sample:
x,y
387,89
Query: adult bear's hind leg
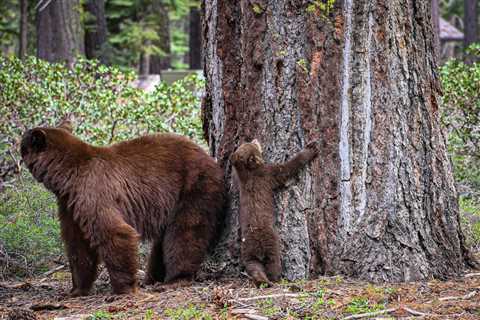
x,y
186,243
118,247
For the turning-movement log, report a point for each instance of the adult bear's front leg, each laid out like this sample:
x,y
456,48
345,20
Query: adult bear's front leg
x,y
83,259
118,248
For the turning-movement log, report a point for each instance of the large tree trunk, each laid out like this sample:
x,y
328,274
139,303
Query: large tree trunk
x,y
95,30
380,202
161,62
59,34
23,39
195,39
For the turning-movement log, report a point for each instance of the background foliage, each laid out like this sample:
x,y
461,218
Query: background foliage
x,y
461,116
106,108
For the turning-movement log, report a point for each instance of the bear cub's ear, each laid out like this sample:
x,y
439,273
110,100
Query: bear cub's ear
x,y
257,144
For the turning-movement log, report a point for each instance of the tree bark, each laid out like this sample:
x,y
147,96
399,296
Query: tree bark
x,y
144,65
95,30
436,27
195,39
161,62
59,35
23,40
379,203
471,21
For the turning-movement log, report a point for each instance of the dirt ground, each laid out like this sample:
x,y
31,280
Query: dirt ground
x,y
324,298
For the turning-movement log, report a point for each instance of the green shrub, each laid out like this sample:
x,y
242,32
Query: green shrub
x,y
106,108
461,115
29,230
102,100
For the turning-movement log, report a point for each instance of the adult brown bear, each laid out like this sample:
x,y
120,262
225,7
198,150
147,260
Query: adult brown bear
x,y
161,188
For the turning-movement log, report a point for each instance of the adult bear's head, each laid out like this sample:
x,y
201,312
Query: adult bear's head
x,y
47,150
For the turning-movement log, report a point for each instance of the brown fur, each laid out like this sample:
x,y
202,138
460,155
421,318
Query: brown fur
x,y
260,242
161,188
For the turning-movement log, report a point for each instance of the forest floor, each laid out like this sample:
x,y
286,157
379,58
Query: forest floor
x,y
324,298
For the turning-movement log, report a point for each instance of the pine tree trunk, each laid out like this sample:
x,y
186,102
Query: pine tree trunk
x,y
95,30
23,40
471,21
436,27
59,35
195,39
379,203
161,62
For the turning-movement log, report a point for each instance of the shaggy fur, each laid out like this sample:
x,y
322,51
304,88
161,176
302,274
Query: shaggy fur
x,y
161,188
260,242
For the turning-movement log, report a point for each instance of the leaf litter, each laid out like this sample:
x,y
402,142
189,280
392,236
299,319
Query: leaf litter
x,y
323,298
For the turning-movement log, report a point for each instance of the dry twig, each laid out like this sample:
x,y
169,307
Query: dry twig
x,y
370,314
50,272
279,295
415,312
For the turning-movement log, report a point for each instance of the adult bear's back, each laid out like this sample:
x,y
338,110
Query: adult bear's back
x,y
154,175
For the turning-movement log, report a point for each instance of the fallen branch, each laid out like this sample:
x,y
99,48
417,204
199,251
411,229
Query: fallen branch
x,y
255,317
469,275
370,314
280,295
50,272
465,297
414,312
242,311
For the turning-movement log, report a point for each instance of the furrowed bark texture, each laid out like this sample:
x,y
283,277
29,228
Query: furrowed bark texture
x,y
59,35
379,203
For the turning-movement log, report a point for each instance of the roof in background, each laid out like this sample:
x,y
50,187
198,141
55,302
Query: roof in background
x,y
448,32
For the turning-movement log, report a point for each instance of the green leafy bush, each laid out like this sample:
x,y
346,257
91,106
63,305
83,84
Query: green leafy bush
x,y
29,230
106,108
461,115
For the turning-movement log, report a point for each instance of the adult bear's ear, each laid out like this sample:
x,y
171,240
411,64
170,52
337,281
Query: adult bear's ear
x,y
66,125
38,140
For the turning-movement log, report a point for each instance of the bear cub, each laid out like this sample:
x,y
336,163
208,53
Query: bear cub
x,y
260,250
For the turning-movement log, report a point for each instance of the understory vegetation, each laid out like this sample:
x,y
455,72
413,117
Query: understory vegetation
x,y
106,108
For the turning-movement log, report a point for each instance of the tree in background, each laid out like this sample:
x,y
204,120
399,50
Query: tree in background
x,y
195,39
471,21
23,39
162,60
471,24
95,30
380,202
59,32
